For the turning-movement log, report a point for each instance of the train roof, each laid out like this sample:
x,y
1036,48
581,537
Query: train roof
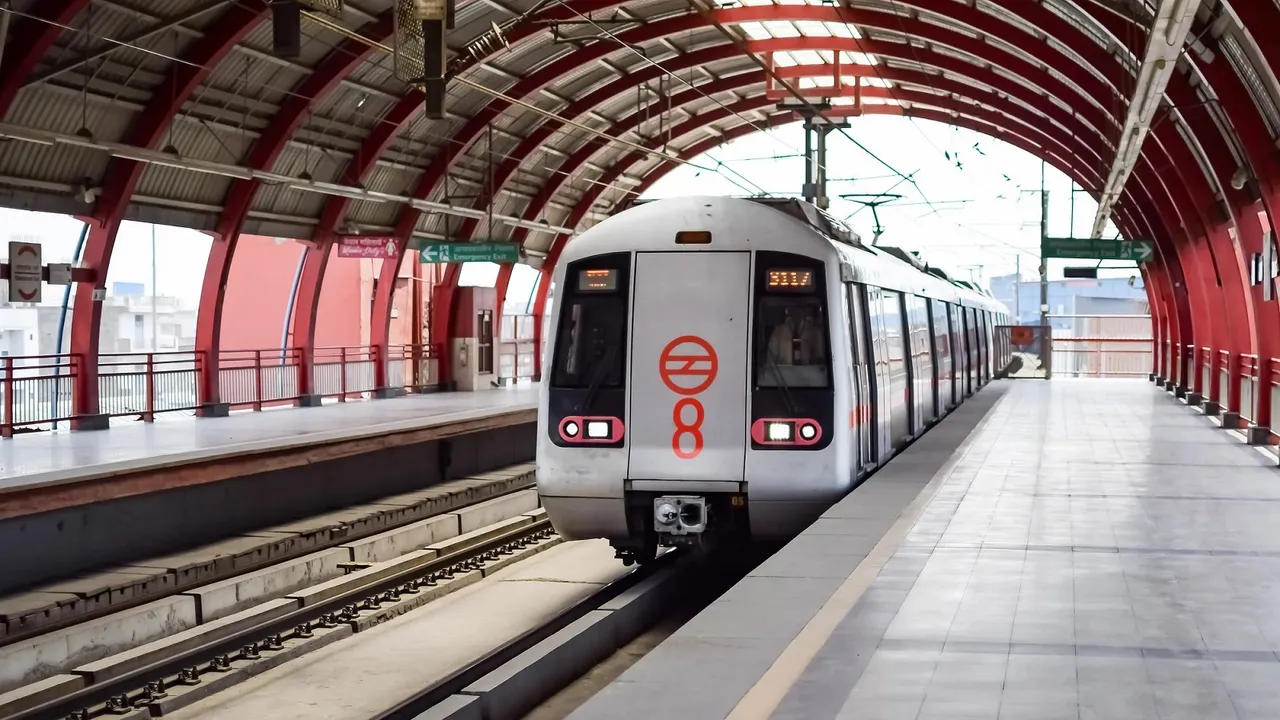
x,y
819,220
886,266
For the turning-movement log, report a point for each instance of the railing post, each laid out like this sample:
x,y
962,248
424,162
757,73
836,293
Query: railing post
x,y
6,427
149,412
259,391
342,374
415,367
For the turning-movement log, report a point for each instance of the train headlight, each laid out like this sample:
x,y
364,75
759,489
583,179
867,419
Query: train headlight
x,y
778,431
597,429
665,514
808,431
571,429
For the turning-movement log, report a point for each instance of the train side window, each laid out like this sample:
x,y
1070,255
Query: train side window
x,y
790,343
590,343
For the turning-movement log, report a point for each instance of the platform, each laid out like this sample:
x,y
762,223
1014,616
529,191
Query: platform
x,y
1094,549
46,460
88,502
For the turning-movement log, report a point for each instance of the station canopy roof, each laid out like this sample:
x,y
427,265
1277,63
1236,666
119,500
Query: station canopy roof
x,y
184,112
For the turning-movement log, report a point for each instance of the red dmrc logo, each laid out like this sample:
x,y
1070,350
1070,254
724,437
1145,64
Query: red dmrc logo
x,y
688,366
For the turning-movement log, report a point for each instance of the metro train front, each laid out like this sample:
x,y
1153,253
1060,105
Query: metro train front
x,y
691,391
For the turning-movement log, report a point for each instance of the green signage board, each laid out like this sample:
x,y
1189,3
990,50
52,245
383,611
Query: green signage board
x,y
463,252
1098,249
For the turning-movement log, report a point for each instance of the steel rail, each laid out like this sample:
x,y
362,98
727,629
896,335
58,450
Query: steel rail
x,y
139,688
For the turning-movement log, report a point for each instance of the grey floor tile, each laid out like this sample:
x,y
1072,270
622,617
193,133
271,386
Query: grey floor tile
x,y
1099,552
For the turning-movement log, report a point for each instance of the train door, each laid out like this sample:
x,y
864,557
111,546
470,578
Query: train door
x,y
896,353
863,403
914,348
975,354
883,411
905,372
689,349
937,350
923,391
981,330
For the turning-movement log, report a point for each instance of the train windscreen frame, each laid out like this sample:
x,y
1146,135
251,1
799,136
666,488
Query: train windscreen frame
x,y
588,371
791,365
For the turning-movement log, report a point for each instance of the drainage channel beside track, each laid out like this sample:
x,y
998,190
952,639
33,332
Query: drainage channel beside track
x,y
556,667
164,676
51,664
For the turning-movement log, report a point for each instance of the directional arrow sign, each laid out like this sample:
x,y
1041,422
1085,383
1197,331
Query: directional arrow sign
x,y
1138,251
469,252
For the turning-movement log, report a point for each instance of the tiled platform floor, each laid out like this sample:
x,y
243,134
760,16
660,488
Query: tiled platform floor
x,y
46,458
1098,551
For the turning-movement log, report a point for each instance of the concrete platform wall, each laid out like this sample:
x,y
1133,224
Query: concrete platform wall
x,y
39,548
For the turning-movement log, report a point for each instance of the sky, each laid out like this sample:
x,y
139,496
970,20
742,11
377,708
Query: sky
x,y
972,207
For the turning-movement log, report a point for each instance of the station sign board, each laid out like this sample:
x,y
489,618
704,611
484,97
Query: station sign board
x,y
26,272
1138,251
462,252
366,246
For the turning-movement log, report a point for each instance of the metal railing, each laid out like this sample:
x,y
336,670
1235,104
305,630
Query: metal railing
x,y
517,349
38,392
1103,346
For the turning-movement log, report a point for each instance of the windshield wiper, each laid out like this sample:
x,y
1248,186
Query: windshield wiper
x,y
782,384
597,378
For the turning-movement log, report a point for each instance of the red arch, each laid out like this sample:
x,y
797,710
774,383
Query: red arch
x,y
1164,207
122,179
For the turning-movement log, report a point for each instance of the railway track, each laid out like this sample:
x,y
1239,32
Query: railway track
x,y
147,580
519,676
163,677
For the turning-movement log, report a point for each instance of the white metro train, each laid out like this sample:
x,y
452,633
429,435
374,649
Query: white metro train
x,y
731,367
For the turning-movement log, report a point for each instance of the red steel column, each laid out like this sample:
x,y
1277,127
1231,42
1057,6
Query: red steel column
x,y
122,178
266,150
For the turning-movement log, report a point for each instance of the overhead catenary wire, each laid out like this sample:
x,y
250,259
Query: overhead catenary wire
x,y
709,15
340,29
628,46
266,86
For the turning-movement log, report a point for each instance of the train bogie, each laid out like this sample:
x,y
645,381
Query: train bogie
x,y
719,367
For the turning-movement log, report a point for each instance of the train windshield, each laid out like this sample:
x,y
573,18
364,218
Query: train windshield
x,y
589,347
791,348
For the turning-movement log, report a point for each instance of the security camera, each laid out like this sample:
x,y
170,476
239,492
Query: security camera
x,y
87,193
1240,177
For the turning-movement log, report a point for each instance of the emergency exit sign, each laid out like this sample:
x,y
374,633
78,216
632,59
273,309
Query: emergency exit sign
x,y
1138,251
470,252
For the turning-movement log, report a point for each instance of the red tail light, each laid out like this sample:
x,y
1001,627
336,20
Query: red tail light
x,y
587,430
786,432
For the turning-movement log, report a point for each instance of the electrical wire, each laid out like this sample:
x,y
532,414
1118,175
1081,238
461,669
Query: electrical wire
x,y
342,30
290,92
629,46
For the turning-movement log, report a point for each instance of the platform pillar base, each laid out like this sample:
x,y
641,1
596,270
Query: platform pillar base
x,y
1211,408
91,422
1179,392
213,410
1168,385
1230,420
1257,435
1152,377
310,401
388,393
1194,399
